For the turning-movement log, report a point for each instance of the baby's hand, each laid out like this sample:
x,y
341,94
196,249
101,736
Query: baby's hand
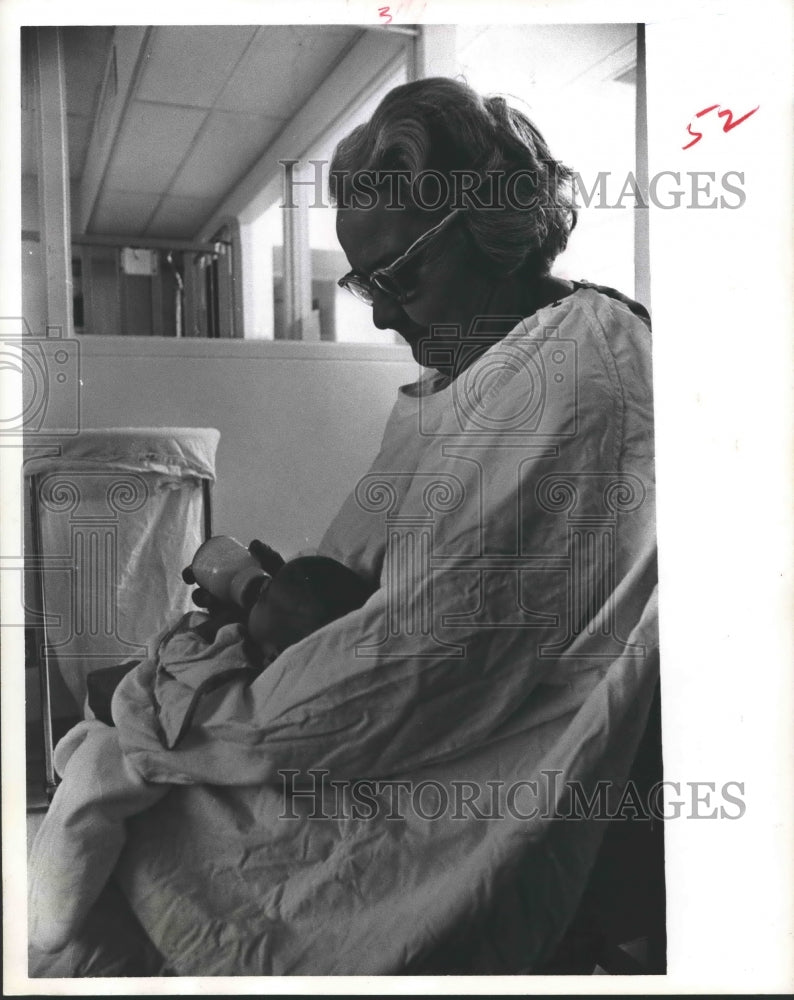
x,y
270,560
267,557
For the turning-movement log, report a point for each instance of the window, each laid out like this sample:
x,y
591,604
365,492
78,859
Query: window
x,y
271,274
128,288
577,83
342,317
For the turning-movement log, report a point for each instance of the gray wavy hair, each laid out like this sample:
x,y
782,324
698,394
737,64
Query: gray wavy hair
x,y
442,126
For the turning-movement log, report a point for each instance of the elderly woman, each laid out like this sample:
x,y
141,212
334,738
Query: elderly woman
x,y
502,211
418,266
404,790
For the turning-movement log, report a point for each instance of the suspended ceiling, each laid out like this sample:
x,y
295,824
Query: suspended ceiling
x,y
204,104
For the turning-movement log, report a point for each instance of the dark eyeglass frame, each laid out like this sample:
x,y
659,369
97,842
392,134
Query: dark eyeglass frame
x,y
385,278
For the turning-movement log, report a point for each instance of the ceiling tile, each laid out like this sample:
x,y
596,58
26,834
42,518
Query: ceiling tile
x,y
282,66
180,218
151,144
190,64
228,146
123,213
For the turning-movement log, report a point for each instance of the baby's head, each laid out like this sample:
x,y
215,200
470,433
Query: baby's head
x,y
305,594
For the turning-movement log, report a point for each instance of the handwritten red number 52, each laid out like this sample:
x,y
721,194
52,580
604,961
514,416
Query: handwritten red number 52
x,y
723,113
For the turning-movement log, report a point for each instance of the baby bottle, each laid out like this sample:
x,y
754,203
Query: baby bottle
x,y
228,571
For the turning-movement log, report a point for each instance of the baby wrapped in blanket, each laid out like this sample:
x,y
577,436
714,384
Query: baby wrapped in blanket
x,y
82,835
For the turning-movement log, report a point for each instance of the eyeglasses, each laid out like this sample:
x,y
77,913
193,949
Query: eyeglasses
x,y
391,280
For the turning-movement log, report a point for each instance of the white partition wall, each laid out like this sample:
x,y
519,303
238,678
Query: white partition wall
x,y
299,422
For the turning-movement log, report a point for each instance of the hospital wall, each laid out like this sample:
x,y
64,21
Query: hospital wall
x,y
299,422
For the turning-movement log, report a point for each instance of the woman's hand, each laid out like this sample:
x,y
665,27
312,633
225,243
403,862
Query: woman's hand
x,y
267,557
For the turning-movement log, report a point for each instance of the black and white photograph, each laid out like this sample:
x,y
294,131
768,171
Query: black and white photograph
x,y
345,352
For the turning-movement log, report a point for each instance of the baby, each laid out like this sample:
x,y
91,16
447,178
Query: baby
x,y
302,596
297,598
83,833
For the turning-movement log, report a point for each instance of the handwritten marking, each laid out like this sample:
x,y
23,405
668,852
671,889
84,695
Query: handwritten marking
x,y
722,113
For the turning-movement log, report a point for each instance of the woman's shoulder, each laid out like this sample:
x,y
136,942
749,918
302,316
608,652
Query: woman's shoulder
x,y
590,314
605,333
637,308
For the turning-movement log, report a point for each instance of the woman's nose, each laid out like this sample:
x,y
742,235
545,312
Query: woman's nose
x,y
386,311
